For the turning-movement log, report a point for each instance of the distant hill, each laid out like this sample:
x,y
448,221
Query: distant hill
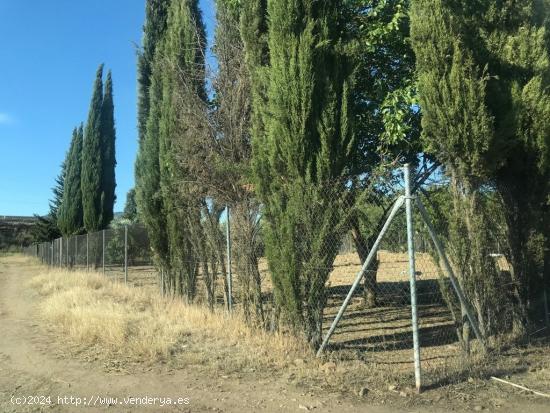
x,y
15,231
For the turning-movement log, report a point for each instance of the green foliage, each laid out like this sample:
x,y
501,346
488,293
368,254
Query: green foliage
x,y
146,166
108,136
130,208
156,12
57,191
46,228
147,169
92,160
148,195
148,199
70,217
98,157
302,149
387,114
114,250
163,199
254,35
183,67
483,73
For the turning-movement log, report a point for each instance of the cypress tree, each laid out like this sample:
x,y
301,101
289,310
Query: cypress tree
x,y
92,159
70,212
483,73
254,35
58,191
230,156
108,136
300,152
148,195
46,227
183,69
156,12
147,168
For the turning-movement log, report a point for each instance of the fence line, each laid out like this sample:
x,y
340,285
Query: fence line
x,y
406,299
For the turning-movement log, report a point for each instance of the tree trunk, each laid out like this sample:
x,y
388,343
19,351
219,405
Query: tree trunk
x,y
244,226
362,245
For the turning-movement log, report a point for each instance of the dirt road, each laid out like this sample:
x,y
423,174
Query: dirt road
x,y
30,365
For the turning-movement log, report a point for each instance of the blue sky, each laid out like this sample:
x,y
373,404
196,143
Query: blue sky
x,y
48,58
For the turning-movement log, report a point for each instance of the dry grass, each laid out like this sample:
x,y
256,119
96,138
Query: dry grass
x,y
120,323
138,325
90,310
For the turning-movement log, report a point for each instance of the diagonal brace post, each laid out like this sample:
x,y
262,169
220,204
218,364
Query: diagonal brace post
x,y
372,254
450,272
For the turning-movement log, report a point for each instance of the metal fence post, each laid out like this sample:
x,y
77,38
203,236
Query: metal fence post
x,y
75,250
126,254
229,275
87,252
546,314
61,252
372,254
412,276
51,259
103,249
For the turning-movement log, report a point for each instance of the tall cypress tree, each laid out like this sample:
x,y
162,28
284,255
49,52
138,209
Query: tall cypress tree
x,y
183,64
301,154
148,193
484,71
254,34
147,168
229,153
156,12
92,159
70,212
108,136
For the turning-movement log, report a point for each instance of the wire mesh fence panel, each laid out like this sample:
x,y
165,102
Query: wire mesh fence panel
x,y
380,322
54,253
81,249
69,249
441,352
377,325
141,269
114,253
245,264
95,251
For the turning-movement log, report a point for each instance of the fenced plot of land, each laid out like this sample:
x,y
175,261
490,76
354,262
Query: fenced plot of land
x,y
35,356
375,333
382,334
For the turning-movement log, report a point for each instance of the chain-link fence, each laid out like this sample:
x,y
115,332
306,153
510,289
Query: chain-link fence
x,y
362,272
121,253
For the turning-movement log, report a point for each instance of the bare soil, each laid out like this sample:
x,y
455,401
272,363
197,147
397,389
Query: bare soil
x,y
35,361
